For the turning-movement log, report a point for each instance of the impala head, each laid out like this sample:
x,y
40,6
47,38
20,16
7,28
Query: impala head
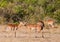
x,y
22,24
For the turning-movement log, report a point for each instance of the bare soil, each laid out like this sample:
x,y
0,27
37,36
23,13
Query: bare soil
x,y
24,35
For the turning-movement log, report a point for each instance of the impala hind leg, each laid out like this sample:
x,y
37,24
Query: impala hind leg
x,y
13,28
16,28
42,34
38,30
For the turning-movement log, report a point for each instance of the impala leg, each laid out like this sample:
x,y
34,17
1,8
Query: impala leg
x,y
38,30
15,33
16,28
35,30
13,28
30,29
42,34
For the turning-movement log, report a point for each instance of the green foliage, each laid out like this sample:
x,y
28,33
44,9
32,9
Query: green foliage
x,y
3,3
16,9
50,7
30,1
41,2
30,10
57,15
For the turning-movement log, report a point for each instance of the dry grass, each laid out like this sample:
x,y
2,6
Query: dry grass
x,y
23,35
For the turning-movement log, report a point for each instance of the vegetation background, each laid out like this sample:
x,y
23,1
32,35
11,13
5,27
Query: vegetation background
x,y
31,11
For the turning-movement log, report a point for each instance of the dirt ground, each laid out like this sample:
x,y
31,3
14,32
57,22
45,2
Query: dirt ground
x,y
23,35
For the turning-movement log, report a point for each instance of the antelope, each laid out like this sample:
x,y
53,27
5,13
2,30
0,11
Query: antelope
x,y
38,27
50,23
15,26
12,26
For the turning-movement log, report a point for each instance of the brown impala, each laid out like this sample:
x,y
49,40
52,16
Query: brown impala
x,y
38,27
50,23
13,26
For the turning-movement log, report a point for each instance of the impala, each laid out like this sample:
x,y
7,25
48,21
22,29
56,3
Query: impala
x,y
12,26
38,27
50,23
